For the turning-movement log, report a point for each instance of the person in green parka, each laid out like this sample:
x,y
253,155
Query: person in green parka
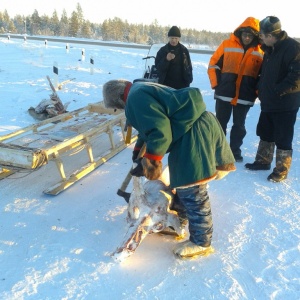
x,y
176,122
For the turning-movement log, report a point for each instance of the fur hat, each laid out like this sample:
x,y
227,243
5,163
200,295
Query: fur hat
x,y
270,24
115,93
174,31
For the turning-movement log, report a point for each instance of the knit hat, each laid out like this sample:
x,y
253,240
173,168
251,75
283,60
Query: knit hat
x,y
174,31
115,93
270,24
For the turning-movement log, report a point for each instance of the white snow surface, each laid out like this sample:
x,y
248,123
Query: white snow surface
x,y
59,247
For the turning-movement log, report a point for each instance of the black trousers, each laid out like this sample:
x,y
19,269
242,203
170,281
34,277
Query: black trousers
x,y
277,127
238,131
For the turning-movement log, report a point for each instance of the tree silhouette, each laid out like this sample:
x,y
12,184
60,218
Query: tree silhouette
x,y
110,30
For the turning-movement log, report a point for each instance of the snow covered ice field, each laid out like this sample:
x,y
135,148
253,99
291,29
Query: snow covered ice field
x,y
58,247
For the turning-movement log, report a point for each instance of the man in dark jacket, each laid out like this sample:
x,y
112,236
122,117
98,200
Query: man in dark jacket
x,y
173,62
176,122
233,71
279,94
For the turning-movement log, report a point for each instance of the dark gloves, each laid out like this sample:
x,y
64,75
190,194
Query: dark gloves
x,y
151,169
138,171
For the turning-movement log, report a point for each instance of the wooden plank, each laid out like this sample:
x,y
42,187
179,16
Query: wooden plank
x,y
21,157
5,173
53,139
27,157
85,170
101,109
46,124
97,130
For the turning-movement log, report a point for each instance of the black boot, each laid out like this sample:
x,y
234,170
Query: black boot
x,y
257,166
264,156
283,164
238,157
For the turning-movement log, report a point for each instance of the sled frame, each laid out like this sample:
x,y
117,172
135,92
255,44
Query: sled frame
x,y
21,149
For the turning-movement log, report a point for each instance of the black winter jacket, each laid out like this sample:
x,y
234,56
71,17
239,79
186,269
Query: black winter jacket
x,y
279,83
177,73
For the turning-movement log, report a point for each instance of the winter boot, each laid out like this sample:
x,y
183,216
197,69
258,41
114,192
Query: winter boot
x,y
188,249
264,156
283,164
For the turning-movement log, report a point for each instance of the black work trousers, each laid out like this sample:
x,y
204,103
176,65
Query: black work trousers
x,y
238,131
277,127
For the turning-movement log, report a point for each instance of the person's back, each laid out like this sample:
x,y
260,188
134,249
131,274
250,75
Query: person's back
x,y
173,62
176,122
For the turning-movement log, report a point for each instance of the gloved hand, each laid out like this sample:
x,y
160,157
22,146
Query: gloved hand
x,y
135,154
152,168
138,170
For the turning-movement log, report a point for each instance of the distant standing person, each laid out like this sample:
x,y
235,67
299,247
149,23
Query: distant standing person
x,y
279,95
173,62
233,73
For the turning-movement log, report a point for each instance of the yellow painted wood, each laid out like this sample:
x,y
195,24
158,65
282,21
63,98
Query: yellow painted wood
x,y
54,139
5,173
85,170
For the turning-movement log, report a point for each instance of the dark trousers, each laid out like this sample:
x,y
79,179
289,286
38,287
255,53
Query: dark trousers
x,y
277,127
196,205
238,131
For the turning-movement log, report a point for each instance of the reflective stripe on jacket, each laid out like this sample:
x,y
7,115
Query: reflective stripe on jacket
x,y
234,71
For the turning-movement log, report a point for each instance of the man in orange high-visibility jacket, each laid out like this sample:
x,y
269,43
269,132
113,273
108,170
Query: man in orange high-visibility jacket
x,y
233,71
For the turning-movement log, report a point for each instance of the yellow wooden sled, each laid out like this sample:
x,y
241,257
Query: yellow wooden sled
x,y
93,128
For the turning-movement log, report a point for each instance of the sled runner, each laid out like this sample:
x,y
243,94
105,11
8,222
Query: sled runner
x,y
94,128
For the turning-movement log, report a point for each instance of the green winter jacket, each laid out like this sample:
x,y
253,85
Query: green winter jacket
x,y
176,122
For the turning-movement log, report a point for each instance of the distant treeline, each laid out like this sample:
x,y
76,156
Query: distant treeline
x,y
110,30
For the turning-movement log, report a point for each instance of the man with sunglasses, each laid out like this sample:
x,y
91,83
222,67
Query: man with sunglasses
x,y
233,72
279,95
